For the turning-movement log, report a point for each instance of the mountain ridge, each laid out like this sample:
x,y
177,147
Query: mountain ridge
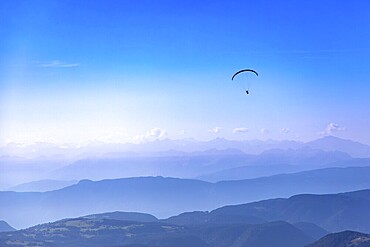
x,y
163,196
343,239
330,143
109,232
5,227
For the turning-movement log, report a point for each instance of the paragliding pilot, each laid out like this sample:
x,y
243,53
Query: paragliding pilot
x,y
242,77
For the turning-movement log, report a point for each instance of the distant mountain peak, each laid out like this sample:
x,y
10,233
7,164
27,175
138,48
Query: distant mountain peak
x,y
333,138
333,143
5,227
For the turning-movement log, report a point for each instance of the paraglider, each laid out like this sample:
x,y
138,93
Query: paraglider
x,y
244,78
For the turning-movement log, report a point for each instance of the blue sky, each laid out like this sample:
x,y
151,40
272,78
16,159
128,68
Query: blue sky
x,y
74,71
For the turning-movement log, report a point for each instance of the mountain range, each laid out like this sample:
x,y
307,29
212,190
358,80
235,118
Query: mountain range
x,y
333,212
274,223
210,165
301,220
327,143
214,160
214,193
108,232
164,197
42,185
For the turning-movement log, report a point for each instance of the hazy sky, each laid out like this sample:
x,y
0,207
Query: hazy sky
x,y
76,70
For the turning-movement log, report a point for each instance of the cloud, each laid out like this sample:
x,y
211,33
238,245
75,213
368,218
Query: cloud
x,y
240,130
284,130
265,131
215,130
156,133
151,135
57,64
182,132
331,128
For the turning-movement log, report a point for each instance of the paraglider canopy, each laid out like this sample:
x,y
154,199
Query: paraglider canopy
x,y
244,78
244,70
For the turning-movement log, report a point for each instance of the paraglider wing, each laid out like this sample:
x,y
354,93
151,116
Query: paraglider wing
x,y
244,70
244,78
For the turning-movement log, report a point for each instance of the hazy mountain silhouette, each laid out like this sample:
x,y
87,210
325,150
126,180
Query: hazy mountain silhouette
x,y
275,162
336,212
343,239
183,145
210,165
164,197
42,185
332,143
183,165
18,170
5,227
185,158
310,213
328,143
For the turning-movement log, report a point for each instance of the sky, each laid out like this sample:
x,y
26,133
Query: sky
x,y
75,71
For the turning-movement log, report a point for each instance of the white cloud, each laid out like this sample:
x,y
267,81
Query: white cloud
x,y
265,131
284,130
57,64
331,128
156,133
240,130
151,135
182,132
215,130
